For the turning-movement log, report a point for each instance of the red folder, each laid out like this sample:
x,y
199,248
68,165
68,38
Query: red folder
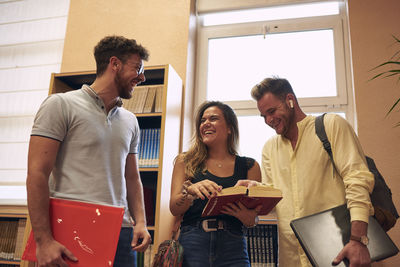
x,y
90,231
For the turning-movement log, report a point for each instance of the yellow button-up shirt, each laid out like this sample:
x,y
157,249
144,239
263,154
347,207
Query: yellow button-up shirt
x,y
309,182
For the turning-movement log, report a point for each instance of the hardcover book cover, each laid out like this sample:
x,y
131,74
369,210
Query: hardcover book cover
x,y
90,231
324,234
251,197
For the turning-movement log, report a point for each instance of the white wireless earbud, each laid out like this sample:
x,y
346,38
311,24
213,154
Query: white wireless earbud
x,y
291,103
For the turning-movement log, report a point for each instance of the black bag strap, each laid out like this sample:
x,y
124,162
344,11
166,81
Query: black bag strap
x,y
321,133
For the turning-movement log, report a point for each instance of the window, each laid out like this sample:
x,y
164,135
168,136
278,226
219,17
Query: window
x,y
32,39
305,44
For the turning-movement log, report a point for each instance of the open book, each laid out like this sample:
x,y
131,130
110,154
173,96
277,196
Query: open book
x,y
251,197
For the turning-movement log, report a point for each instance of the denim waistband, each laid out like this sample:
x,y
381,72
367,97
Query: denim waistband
x,y
215,224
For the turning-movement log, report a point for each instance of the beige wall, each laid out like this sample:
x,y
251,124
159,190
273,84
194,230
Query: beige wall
x,y
161,26
372,23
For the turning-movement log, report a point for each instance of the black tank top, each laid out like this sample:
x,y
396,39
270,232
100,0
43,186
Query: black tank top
x,y
193,214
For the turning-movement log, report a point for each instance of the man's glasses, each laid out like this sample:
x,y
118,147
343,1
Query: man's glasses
x,y
141,69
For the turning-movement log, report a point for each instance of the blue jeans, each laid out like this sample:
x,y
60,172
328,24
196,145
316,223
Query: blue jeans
x,y
213,249
125,256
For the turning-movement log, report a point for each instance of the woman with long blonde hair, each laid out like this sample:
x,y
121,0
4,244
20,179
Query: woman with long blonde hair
x,y
212,163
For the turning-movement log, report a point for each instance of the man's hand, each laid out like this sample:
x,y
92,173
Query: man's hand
x,y
356,253
248,183
52,253
141,238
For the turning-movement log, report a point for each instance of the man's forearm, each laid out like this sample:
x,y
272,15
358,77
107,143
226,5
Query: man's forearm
x,y
38,206
359,228
136,201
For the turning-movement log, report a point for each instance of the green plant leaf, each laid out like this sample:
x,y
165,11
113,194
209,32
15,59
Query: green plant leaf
x,y
398,40
387,63
394,105
389,74
393,64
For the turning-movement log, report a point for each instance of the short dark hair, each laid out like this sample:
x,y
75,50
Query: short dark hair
x,y
279,87
119,47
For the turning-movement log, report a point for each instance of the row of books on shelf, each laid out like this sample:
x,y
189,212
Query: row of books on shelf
x,y
11,238
145,99
144,259
262,245
149,148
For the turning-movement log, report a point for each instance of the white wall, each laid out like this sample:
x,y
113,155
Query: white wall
x,y
31,45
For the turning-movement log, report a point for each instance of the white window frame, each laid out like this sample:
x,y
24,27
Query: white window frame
x,y
343,102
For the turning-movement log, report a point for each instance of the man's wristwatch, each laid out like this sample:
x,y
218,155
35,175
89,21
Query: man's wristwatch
x,y
362,239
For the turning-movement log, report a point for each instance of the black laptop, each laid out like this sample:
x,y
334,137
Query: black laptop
x,y
324,234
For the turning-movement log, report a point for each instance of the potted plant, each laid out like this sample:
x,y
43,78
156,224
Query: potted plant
x,y
391,68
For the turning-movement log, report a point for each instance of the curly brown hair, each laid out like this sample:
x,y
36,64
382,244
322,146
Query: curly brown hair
x,y
119,47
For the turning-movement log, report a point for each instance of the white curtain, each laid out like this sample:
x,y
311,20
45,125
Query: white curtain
x,y
31,45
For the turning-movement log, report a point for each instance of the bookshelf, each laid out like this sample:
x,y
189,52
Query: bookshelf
x,y
262,241
164,113
262,245
14,232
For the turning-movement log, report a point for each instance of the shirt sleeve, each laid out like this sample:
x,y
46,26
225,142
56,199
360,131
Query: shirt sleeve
x,y
351,163
249,163
134,146
50,119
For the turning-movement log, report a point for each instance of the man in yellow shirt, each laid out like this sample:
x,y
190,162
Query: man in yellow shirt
x,y
295,162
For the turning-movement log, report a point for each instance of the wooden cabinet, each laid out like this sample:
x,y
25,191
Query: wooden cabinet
x,y
156,179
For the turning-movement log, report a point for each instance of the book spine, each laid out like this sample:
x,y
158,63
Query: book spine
x,y
20,239
133,102
146,148
274,244
270,248
141,147
149,106
158,147
153,148
264,248
250,245
13,239
158,104
142,100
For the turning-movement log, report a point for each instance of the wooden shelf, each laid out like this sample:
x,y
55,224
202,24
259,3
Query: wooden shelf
x,y
154,114
16,213
268,219
148,169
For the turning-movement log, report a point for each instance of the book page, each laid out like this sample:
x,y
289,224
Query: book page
x,y
264,191
234,190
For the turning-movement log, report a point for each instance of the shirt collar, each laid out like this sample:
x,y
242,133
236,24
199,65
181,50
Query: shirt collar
x,y
95,96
